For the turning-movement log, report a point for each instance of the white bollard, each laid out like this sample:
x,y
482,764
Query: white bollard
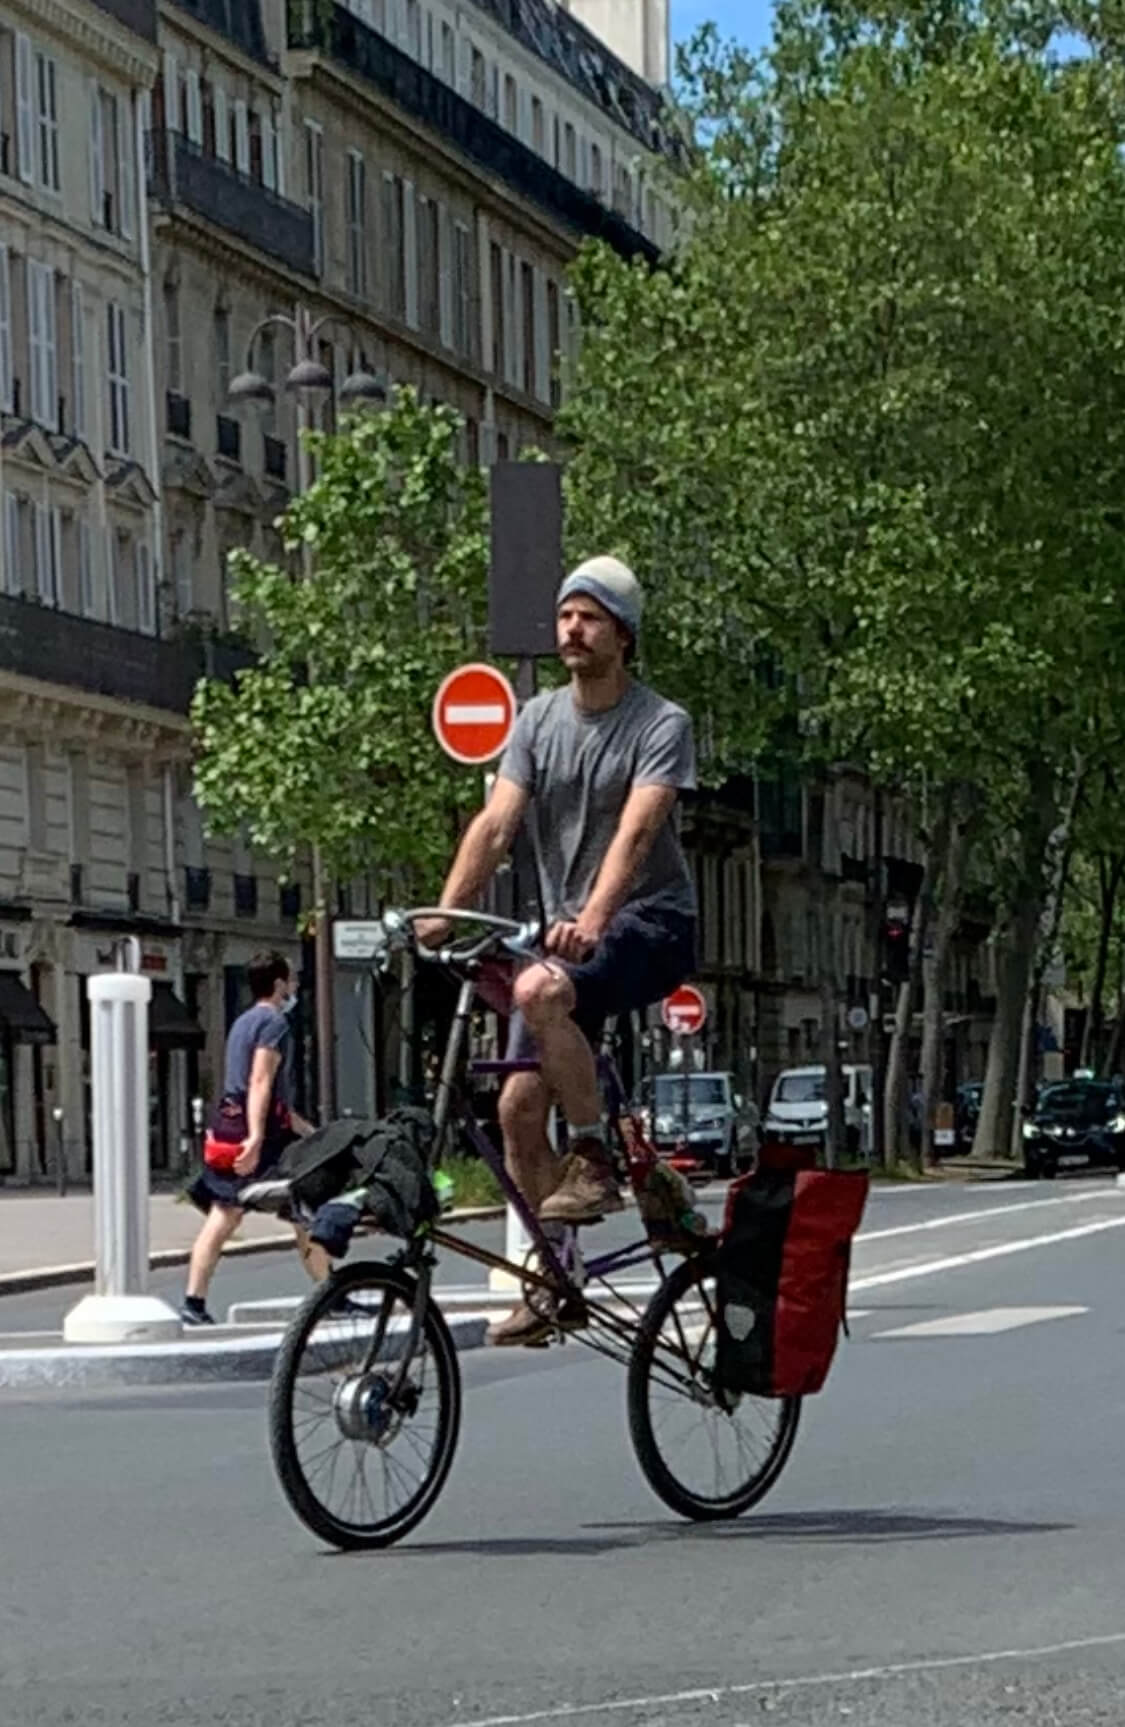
x,y
119,1311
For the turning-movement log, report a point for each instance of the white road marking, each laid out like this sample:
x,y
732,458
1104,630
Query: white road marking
x,y
986,1324
808,1682
973,1216
474,713
954,1261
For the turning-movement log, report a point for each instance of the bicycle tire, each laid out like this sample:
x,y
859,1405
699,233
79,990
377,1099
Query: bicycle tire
x,y
660,1476
339,1531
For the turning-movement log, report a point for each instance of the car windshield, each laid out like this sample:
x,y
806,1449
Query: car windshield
x,y
800,1088
1092,1101
704,1091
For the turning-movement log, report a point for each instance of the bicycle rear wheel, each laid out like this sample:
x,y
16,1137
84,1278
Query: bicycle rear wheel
x,y
362,1439
707,1453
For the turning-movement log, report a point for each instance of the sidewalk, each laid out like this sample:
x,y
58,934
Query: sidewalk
x,y
45,1240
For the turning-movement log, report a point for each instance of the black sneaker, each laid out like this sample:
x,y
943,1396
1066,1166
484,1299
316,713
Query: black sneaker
x,y
195,1315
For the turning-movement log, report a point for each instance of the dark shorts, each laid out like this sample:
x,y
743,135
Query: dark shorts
x,y
646,953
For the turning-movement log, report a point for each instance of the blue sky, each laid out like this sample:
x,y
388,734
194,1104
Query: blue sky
x,y
747,20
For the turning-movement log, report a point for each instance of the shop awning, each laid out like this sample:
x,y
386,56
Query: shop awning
x,y
170,1025
20,1014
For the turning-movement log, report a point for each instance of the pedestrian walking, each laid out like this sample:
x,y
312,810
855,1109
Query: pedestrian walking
x,y
252,1124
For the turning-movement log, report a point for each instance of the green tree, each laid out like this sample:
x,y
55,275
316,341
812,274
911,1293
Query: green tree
x,y
868,422
325,742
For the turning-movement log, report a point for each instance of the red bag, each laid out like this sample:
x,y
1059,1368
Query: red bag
x,y
782,1278
223,1142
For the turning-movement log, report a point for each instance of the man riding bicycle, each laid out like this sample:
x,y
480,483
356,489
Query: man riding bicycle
x,y
596,768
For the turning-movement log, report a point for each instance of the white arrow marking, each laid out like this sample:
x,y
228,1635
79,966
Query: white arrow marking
x,y
475,713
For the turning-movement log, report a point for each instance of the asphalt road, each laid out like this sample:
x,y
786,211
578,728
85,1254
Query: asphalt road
x,y
945,1546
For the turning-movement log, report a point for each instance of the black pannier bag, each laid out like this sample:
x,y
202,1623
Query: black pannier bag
x,y
360,1170
782,1280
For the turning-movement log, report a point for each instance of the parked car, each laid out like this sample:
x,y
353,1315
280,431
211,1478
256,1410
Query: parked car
x,y
700,1123
1076,1124
797,1113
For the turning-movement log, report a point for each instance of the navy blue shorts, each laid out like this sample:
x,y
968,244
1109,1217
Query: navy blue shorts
x,y
645,954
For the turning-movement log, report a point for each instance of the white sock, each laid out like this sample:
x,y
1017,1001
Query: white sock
x,y
597,1131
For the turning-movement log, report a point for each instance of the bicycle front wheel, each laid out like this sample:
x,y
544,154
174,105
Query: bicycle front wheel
x,y
364,1408
708,1454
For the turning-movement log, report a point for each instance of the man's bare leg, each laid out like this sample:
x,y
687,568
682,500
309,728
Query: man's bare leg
x,y
532,1165
217,1228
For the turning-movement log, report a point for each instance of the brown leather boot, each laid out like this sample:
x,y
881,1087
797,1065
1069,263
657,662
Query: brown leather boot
x,y
588,1189
523,1328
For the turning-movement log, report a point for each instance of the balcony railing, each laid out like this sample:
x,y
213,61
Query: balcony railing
x,y
59,648
240,21
228,438
364,51
178,415
181,173
136,15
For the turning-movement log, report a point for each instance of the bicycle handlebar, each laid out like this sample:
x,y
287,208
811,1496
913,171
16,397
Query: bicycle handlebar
x,y
499,933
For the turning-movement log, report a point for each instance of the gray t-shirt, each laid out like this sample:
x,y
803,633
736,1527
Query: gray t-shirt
x,y
260,1027
579,768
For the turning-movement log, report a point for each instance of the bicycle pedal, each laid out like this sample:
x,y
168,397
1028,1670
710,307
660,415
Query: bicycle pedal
x,y
572,1314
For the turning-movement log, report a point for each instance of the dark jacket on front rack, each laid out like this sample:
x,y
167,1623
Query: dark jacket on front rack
x,y
359,1169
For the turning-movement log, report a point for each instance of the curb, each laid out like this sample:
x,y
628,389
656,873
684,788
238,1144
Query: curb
x,y
222,1360
83,1270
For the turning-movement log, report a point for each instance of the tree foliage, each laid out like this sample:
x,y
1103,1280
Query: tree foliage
x,y
326,741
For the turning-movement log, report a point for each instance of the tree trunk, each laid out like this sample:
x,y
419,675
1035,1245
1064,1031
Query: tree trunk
x,y
877,1037
1109,873
1117,1046
935,972
896,1096
1013,973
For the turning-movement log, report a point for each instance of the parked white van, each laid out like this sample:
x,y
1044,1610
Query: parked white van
x,y
798,1112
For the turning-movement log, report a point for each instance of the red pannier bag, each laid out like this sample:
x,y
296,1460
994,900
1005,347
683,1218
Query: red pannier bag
x,y
782,1278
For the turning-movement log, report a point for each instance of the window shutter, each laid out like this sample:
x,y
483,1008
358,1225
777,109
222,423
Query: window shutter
x,y
126,146
43,584
13,576
97,157
35,340
87,598
171,93
195,109
25,120
146,598
464,66
269,148
279,150
445,275
542,360
50,350
56,558
111,573
5,332
78,359
410,252
241,138
222,125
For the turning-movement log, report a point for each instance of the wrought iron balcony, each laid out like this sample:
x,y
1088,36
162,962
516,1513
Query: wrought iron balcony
x,y
344,38
240,21
181,173
59,648
136,15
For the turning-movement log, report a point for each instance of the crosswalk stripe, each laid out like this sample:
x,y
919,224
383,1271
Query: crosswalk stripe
x,y
987,1323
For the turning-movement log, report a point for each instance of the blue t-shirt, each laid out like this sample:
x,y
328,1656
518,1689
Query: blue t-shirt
x,y
260,1027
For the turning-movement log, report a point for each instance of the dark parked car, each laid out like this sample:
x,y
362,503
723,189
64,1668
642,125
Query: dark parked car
x,y
701,1124
1076,1124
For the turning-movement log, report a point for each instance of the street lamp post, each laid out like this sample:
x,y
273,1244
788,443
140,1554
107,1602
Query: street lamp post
x,y
310,381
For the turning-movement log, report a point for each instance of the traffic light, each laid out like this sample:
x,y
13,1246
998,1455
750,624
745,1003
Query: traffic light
x,y
896,949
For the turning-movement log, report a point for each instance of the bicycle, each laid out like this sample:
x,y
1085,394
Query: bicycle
x,y
368,1361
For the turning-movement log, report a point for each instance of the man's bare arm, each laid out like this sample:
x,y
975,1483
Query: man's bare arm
x,y
647,808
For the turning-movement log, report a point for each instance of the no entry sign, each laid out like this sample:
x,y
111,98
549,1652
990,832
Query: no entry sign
x,y
474,712
685,1010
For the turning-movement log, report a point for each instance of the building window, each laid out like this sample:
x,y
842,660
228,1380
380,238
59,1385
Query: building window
x,y
117,366
172,337
146,589
357,223
393,248
414,28
181,573
13,540
570,152
448,54
478,86
46,90
314,186
43,346
538,127
87,595
462,290
527,287
511,103
554,338
78,358
429,284
48,555
5,331
496,278
222,356
596,170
